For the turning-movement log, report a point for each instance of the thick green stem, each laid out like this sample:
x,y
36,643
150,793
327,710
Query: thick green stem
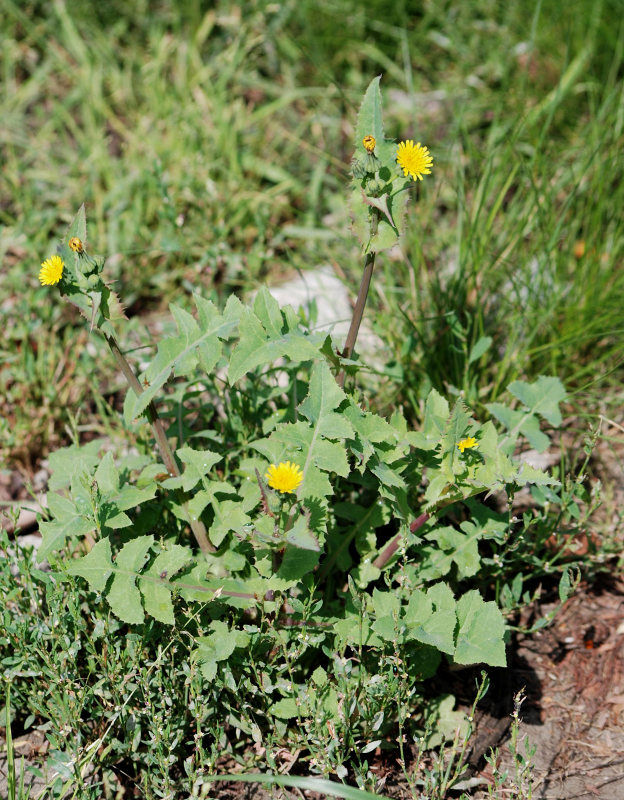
x,y
197,526
358,310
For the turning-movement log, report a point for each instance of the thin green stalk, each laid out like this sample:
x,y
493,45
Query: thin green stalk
x,y
197,526
358,311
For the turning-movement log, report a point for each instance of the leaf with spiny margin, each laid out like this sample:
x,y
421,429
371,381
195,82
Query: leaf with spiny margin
x,y
54,534
370,119
435,628
96,567
112,307
229,516
123,596
387,234
533,475
300,556
541,397
480,637
258,347
181,353
218,646
321,456
455,429
198,465
267,310
370,426
312,438
370,430
520,422
388,477
106,475
157,592
324,395
461,546
436,415
76,458
360,216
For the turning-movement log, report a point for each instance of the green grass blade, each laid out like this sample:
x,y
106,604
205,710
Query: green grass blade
x,y
313,784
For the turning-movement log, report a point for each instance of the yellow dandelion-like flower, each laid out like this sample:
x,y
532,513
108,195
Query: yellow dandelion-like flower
x,y
76,244
285,477
466,444
414,159
369,143
51,271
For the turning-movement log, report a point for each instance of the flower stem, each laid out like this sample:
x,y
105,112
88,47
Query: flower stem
x,y
360,302
197,526
393,545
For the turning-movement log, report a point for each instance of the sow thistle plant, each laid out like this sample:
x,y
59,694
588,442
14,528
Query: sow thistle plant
x,y
303,531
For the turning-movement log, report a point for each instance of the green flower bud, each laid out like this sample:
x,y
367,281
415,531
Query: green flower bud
x,y
358,169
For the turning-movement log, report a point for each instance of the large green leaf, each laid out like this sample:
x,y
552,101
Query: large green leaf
x,y
197,343
259,345
370,120
130,581
480,638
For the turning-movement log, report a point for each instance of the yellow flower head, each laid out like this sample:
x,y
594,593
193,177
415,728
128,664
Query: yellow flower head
x,y
466,444
414,159
76,244
51,271
286,477
369,143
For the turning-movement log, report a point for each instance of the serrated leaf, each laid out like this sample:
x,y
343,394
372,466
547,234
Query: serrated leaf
x,y
462,546
258,347
370,120
360,217
96,567
55,534
78,225
480,638
123,596
198,465
385,238
157,592
541,397
267,310
529,474
381,204
106,475
69,460
455,429
286,708
182,354
229,516
323,397
435,628
116,521
436,416
131,496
